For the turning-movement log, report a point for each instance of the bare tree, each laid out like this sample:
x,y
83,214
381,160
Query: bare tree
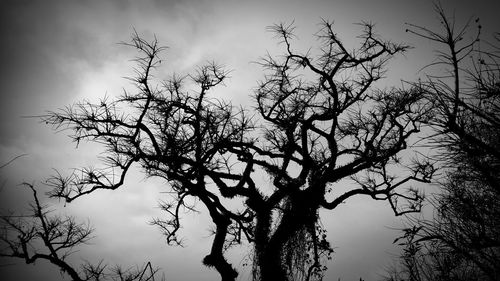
x,y
40,235
319,120
323,122
462,242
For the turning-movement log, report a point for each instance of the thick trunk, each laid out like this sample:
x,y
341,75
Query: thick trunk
x,y
271,247
271,266
267,265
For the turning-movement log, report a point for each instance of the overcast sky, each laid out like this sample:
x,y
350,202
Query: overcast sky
x,y
54,53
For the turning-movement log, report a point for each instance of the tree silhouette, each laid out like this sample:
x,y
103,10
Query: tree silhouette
x,y
319,120
41,235
462,242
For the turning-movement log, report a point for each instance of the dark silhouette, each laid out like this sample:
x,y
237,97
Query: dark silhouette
x,y
319,120
23,233
462,242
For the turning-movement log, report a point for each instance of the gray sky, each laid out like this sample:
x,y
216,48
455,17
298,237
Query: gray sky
x,y
54,53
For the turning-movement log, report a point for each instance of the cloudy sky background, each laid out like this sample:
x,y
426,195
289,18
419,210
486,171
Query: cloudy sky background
x,y
54,53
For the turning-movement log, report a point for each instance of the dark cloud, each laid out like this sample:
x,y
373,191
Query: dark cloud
x,y
39,51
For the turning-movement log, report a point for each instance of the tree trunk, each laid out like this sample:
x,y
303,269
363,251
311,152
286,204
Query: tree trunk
x,y
271,247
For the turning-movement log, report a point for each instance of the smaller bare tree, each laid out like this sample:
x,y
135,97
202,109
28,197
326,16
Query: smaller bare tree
x,y
462,241
41,235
